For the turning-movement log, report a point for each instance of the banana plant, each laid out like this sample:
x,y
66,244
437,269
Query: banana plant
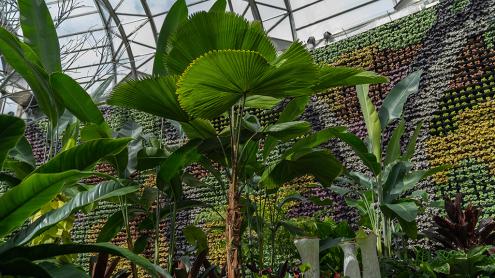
x,y
386,198
216,63
39,187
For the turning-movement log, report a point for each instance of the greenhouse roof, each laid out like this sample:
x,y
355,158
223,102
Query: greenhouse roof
x,y
115,39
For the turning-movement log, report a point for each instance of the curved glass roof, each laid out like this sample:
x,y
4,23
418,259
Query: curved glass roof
x,y
115,39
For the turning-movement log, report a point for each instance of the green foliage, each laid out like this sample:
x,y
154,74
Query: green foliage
x,y
11,131
75,98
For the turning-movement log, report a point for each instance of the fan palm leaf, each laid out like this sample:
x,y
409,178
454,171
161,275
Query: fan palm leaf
x,y
204,32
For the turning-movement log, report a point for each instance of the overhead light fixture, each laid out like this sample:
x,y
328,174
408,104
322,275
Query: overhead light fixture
x,y
311,42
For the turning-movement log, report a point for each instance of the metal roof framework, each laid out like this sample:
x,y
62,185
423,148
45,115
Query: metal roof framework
x,y
102,39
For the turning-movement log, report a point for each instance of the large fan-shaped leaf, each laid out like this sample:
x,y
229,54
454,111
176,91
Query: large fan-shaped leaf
x,y
154,95
393,104
219,79
84,156
205,32
329,77
11,131
45,251
22,58
293,73
75,98
371,120
175,16
102,191
39,33
319,163
30,195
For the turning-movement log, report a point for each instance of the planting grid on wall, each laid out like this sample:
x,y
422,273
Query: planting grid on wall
x,y
452,42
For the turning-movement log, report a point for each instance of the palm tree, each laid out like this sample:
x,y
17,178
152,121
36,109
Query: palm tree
x,y
216,63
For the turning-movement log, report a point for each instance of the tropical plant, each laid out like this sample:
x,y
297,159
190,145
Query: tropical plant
x,y
462,229
38,188
385,198
216,63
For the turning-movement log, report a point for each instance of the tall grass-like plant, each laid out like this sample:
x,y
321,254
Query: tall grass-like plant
x,y
216,64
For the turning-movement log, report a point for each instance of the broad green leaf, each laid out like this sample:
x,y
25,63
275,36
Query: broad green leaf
x,y
83,156
251,122
150,157
288,130
350,139
153,95
22,201
23,152
45,251
11,131
412,178
393,104
131,129
96,131
215,31
362,180
329,77
294,109
393,147
10,180
409,228
319,163
394,185
314,140
101,191
178,160
15,267
113,225
406,210
411,145
291,198
22,58
196,237
39,33
291,228
175,16
75,98
219,6
199,129
371,120
261,102
359,147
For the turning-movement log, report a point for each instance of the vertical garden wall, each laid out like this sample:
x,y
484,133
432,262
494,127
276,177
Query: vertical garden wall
x,y
452,43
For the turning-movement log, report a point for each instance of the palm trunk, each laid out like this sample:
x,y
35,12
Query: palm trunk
x,y
233,232
234,219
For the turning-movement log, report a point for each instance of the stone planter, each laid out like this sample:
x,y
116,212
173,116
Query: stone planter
x,y
351,264
309,250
